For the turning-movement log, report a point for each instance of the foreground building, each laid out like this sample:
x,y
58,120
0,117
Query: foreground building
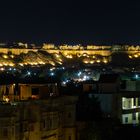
x,y
119,99
52,119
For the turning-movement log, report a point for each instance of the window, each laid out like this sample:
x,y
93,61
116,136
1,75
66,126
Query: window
x,y
90,87
35,91
7,90
69,115
44,124
134,116
69,138
139,101
124,103
138,115
50,123
123,84
134,101
5,132
129,103
31,127
126,119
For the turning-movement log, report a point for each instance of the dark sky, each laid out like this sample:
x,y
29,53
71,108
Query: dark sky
x,y
72,22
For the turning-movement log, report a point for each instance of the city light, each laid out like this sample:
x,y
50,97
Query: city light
x,y
28,73
136,76
79,73
52,73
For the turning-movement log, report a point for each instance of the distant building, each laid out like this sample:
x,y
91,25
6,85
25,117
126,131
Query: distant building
x,y
37,91
21,91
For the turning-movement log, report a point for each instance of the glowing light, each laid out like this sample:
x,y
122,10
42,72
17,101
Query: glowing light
x,y
60,63
60,59
21,64
28,73
69,56
136,56
136,76
57,55
41,63
79,55
52,73
5,64
84,54
105,61
79,73
85,78
2,69
12,56
52,63
11,64
6,99
91,62
98,61
86,62
5,56
64,82
51,69
130,56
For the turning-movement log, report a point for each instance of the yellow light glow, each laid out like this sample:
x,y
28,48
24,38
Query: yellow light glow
x,y
57,55
2,69
135,55
105,61
98,61
11,64
5,56
84,54
25,63
1,65
5,64
6,99
91,62
79,55
21,64
60,63
86,62
35,63
130,56
52,63
12,56
69,56
60,60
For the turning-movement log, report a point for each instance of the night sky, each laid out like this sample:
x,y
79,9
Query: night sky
x,y
72,22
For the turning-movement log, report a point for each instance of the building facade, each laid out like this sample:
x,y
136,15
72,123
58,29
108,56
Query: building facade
x,y
52,119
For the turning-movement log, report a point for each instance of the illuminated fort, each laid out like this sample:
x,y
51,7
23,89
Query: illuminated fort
x,y
24,54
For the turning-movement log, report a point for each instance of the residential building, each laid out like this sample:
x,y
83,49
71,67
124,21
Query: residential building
x,y
51,119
